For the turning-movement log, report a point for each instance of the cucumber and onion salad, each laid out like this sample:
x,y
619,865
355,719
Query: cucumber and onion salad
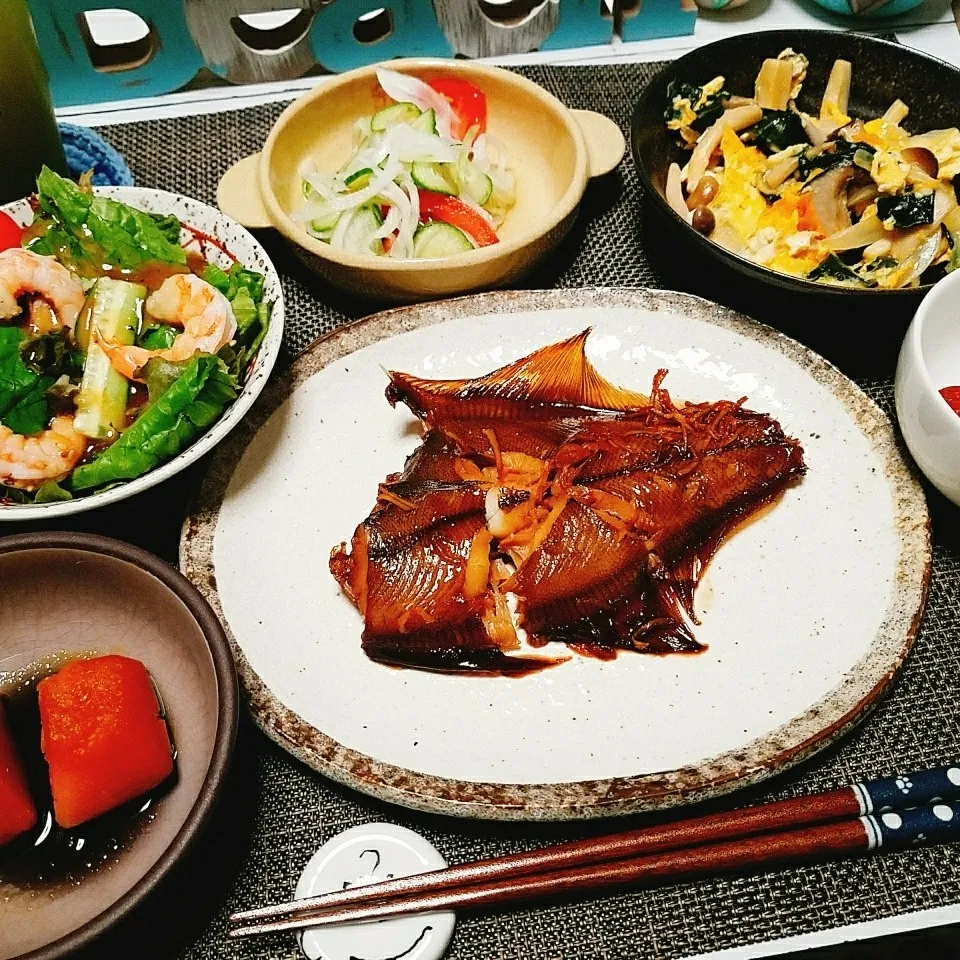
x,y
426,181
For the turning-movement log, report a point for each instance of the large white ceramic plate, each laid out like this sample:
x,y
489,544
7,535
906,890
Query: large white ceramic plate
x,y
251,254
807,612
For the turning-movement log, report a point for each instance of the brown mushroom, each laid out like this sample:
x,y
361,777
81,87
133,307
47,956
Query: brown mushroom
x,y
922,157
828,196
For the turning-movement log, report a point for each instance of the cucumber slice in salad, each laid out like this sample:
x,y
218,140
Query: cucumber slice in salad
x,y
436,240
358,179
324,224
426,122
475,183
364,222
434,177
395,113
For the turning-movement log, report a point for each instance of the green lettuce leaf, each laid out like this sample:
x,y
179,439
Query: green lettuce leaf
x,y
88,227
165,428
31,413
244,310
216,277
169,226
158,337
160,375
15,377
24,406
52,492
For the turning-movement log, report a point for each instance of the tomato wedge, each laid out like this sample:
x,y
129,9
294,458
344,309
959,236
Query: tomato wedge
x,y
952,396
469,104
11,232
452,210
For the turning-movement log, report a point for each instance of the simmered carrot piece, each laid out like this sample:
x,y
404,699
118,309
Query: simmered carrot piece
x,y
17,812
103,736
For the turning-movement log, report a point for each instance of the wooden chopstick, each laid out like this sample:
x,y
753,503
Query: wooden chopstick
x,y
768,833
929,824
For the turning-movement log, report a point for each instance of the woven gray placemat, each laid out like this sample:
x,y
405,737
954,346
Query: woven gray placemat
x,y
290,811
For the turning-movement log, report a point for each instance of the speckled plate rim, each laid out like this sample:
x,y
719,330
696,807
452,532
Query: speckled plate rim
x,y
228,695
823,723
266,358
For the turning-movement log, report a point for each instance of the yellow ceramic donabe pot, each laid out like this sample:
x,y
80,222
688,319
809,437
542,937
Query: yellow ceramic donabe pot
x,y
553,151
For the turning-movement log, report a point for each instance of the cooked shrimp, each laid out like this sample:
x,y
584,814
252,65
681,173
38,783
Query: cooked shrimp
x,y
183,300
23,271
29,462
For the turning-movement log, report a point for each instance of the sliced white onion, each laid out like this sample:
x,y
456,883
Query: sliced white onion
x,y
390,223
414,194
323,185
340,231
410,145
490,153
406,89
402,247
350,201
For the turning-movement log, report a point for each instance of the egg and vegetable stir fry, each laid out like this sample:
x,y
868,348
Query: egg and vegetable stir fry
x,y
859,203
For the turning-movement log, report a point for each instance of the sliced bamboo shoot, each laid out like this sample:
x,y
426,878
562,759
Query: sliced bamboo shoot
x,y
736,120
896,113
774,83
674,192
836,97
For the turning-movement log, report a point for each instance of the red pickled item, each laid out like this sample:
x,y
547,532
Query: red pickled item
x,y
452,210
17,812
102,735
952,396
469,104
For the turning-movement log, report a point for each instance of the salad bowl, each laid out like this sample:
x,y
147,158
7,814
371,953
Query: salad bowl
x,y
220,240
553,151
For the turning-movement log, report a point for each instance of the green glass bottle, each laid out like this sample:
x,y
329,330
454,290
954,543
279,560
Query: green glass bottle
x,y
28,128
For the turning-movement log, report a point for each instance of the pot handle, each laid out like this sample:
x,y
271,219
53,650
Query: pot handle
x,y
238,194
605,143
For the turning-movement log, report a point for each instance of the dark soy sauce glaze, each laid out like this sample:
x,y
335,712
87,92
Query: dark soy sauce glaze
x,y
48,855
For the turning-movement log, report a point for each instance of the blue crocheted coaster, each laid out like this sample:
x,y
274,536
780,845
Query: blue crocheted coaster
x,y
87,150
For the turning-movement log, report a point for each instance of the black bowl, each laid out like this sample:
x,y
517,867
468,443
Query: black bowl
x,y
835,320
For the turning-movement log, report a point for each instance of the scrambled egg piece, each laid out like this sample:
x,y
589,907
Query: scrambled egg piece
x,y
781,235
889,171
882,135
685,115
831,112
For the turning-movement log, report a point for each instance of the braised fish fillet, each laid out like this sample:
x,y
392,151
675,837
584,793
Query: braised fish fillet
x,y
547,502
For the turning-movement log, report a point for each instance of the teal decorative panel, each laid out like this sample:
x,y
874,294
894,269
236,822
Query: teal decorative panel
x,y
414,33
658,18
581,24
74,79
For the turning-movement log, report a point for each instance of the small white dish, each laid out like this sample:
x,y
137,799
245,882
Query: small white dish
x,y
373,853
930,360
251,254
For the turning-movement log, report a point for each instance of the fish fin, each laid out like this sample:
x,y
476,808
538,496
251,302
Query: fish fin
x,y
559,373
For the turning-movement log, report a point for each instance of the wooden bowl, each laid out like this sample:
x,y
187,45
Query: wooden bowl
x,y
554,152
79,593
